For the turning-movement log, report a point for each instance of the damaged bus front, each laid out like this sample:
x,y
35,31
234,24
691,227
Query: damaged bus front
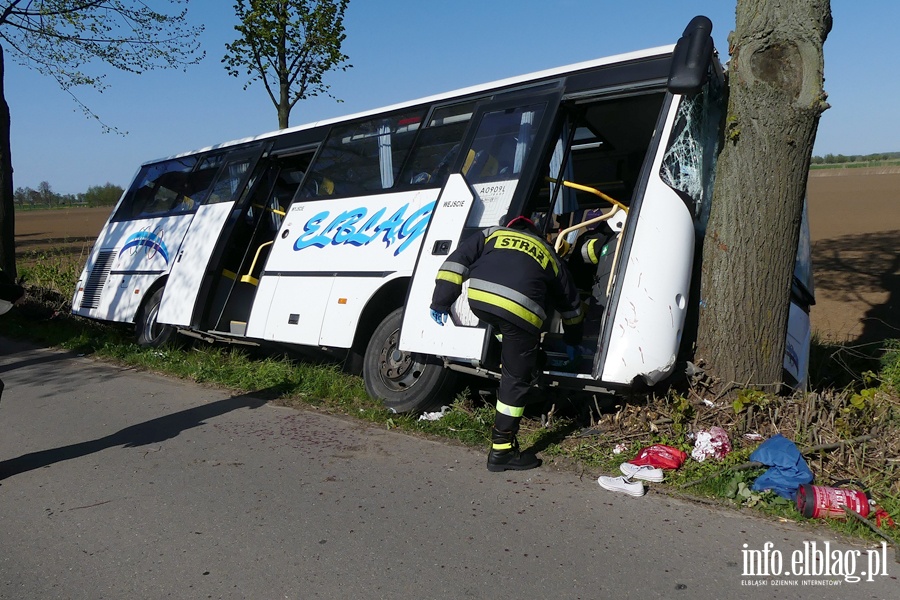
x,y
625,155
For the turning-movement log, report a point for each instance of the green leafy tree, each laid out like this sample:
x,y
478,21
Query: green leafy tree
x,y
101,195
776,97
63,39
288,45
47,195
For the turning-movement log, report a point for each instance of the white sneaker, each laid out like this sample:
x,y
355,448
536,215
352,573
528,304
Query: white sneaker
x,y
620,484
645,472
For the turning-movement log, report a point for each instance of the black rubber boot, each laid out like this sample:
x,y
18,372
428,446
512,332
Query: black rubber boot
x,y
505,454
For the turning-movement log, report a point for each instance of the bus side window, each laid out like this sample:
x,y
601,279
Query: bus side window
x,y
438,144
196,185
503,141
227,185
364,157
155,188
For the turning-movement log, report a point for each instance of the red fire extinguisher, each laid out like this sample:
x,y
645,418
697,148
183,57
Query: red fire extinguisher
x,y
820,502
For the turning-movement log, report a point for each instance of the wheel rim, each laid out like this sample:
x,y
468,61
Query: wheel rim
x,y
399,370
152,329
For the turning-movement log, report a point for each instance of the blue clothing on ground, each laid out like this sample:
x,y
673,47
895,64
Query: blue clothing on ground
x,y
788,469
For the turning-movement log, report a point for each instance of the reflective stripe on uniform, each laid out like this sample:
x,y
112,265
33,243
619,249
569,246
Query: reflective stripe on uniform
x,y
454,267
503,446
451,277
572,317
508,299
452,272
510,411
588,253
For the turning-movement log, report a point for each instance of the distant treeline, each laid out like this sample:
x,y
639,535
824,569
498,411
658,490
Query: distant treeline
x,y
45,197
840,159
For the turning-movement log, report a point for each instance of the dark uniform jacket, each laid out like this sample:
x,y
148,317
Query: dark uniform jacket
x,y
514,275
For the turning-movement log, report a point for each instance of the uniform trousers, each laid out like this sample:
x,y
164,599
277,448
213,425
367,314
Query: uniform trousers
x,y
519,354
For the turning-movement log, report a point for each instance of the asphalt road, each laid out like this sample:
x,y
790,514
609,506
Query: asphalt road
x,y
125,485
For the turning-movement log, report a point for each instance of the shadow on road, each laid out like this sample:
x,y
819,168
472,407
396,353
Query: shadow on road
x,y
148,432
35,360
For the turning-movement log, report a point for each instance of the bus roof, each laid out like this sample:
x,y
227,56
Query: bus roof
x,y
499,84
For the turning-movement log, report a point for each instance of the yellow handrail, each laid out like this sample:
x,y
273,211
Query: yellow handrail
x,y
561,237
249,278
274,210
590,190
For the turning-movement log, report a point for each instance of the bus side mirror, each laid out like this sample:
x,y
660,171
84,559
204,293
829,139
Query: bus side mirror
x,y
691,58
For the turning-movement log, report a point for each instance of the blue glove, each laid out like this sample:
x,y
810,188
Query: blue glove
x,y
571,353
439,317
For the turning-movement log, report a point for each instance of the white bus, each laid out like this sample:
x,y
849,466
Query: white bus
x,y
329,235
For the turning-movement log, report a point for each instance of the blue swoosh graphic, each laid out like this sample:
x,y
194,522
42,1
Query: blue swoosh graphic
x,y
148,240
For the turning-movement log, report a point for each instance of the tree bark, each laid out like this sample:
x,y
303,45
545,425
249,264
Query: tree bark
x,y
775,99
7,205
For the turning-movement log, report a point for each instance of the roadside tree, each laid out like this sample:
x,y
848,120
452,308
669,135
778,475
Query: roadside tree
x,y
61,38
775,100
288,45
101,195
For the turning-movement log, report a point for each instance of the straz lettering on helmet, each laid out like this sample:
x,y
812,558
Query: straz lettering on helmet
x,y
522,244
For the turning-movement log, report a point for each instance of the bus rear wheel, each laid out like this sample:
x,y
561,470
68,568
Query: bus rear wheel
x,y
404,381
150,333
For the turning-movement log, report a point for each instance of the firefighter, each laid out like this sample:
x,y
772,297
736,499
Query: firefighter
x,y
591,264
515,278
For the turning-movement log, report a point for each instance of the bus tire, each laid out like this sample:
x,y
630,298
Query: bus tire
x,y
404,381
151,334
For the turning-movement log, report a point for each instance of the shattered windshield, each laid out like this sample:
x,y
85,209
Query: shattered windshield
x,y
690,161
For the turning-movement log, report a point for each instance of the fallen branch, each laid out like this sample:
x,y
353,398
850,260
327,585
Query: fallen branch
x,y
836,445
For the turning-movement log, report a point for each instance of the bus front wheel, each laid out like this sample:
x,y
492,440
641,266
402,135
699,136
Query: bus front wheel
x,y
150,333
404,381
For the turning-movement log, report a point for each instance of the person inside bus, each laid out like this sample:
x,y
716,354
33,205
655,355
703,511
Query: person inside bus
x,y
515,278
591,263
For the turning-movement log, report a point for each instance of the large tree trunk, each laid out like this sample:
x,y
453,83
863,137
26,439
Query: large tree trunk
x,y
7,206
775,100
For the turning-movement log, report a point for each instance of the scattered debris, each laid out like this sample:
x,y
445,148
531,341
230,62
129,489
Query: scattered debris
x,y
787,469
660,456
622,484
434,416
711,444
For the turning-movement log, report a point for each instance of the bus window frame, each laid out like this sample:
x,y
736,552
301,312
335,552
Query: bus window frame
x,y
549,92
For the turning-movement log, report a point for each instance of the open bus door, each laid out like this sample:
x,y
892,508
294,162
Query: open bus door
x,y
251,236
483,192
193,260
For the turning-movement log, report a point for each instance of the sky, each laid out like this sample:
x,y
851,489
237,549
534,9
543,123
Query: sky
x,y
407,49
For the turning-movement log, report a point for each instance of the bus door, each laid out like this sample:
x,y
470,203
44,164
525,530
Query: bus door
x,y
649,302
492,176
251,238
203,236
